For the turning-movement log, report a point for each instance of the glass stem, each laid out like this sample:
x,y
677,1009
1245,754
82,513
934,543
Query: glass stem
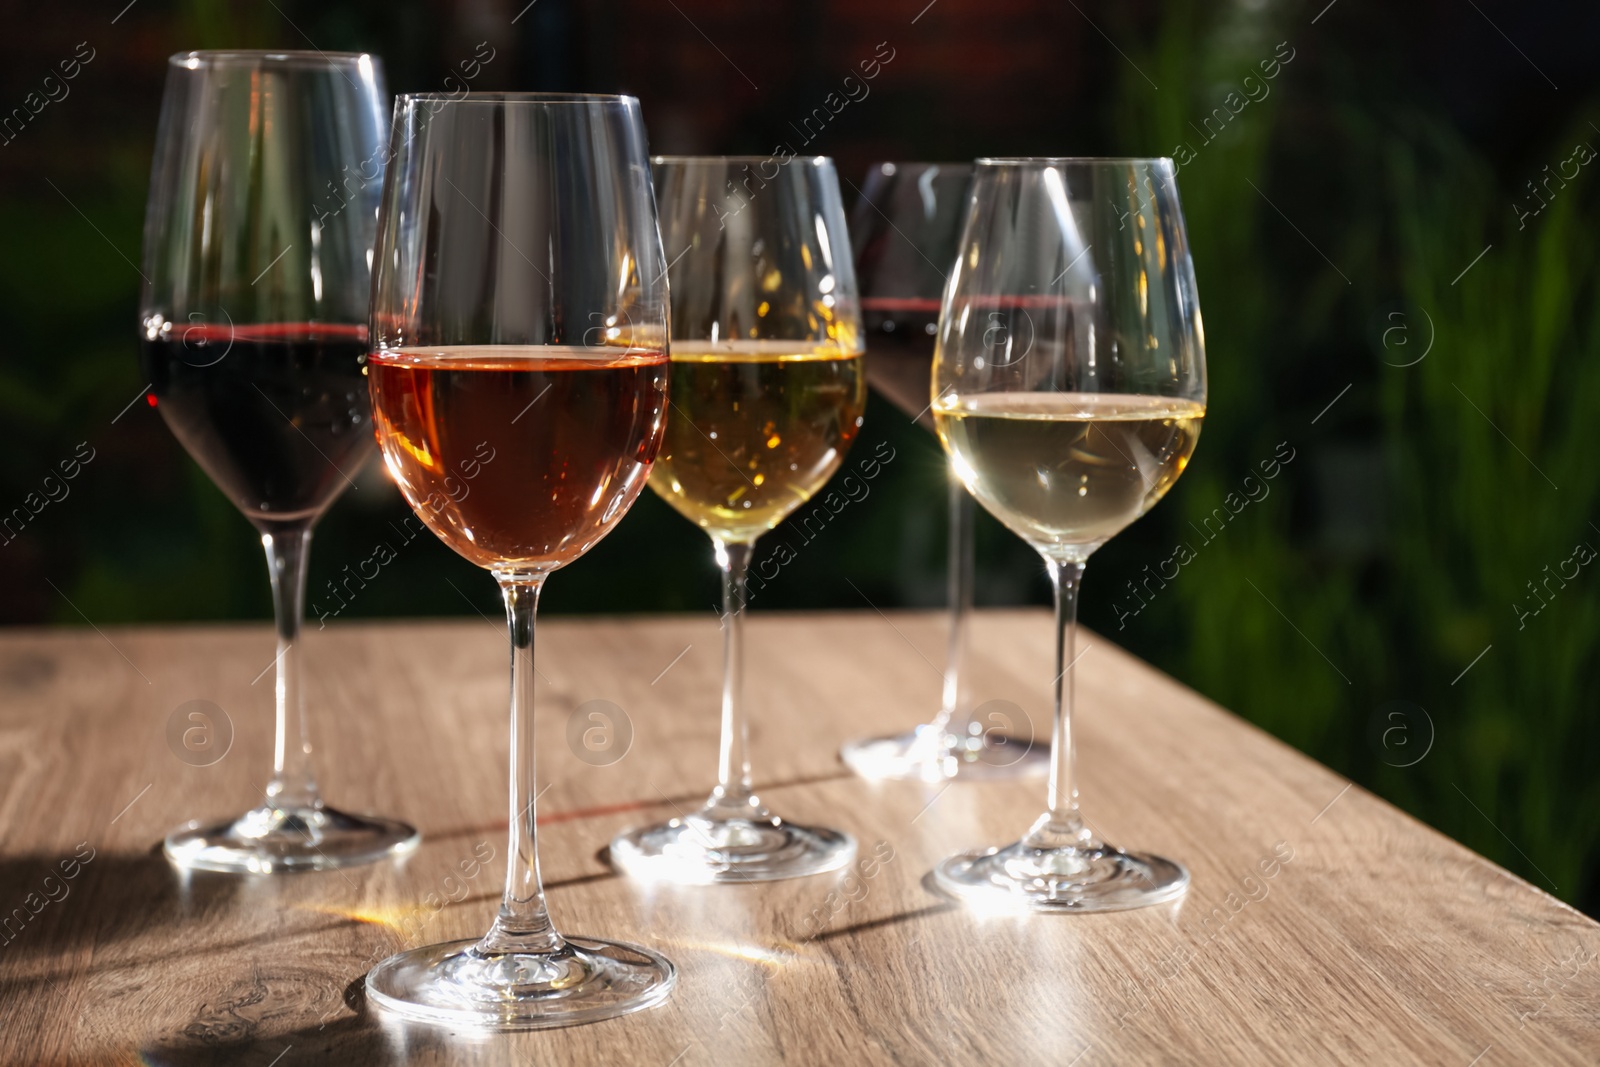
x,y
523,924
953,708
734,795
1061,826
294,783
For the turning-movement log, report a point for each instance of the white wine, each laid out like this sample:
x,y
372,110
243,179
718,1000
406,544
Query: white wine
x,y
1068,470
756,427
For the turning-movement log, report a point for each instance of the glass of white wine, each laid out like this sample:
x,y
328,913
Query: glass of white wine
x,y
768,390
1069,387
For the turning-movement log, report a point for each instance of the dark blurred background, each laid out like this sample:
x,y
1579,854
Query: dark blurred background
x,y
1395,245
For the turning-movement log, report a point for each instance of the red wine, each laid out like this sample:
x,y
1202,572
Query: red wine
x,y
277,414
900,339
520,457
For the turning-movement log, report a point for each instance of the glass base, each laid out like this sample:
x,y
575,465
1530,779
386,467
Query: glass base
x,y
705,850
1093,877
931,754
457,984
271,839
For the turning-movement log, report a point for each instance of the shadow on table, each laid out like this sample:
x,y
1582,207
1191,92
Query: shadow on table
x,y
54,904
367,1037
683,802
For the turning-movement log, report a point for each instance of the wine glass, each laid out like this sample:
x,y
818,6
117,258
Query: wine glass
x,y
257,245
905,227
1069,389
519,387
768,392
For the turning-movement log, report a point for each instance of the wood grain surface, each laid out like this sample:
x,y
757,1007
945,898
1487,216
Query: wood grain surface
x,y
1323,926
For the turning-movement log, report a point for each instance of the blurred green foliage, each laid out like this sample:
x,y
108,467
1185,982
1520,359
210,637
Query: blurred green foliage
x,y
1347,611
1491,436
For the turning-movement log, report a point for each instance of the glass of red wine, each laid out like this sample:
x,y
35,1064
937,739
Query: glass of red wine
x,y
519,342
906,227
257,249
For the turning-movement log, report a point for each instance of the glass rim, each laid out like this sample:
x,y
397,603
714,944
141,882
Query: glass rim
x,y
879,164
1058,161
199,57
813,161
518,98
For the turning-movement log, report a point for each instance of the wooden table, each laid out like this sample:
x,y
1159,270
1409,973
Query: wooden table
x,y
1322,926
